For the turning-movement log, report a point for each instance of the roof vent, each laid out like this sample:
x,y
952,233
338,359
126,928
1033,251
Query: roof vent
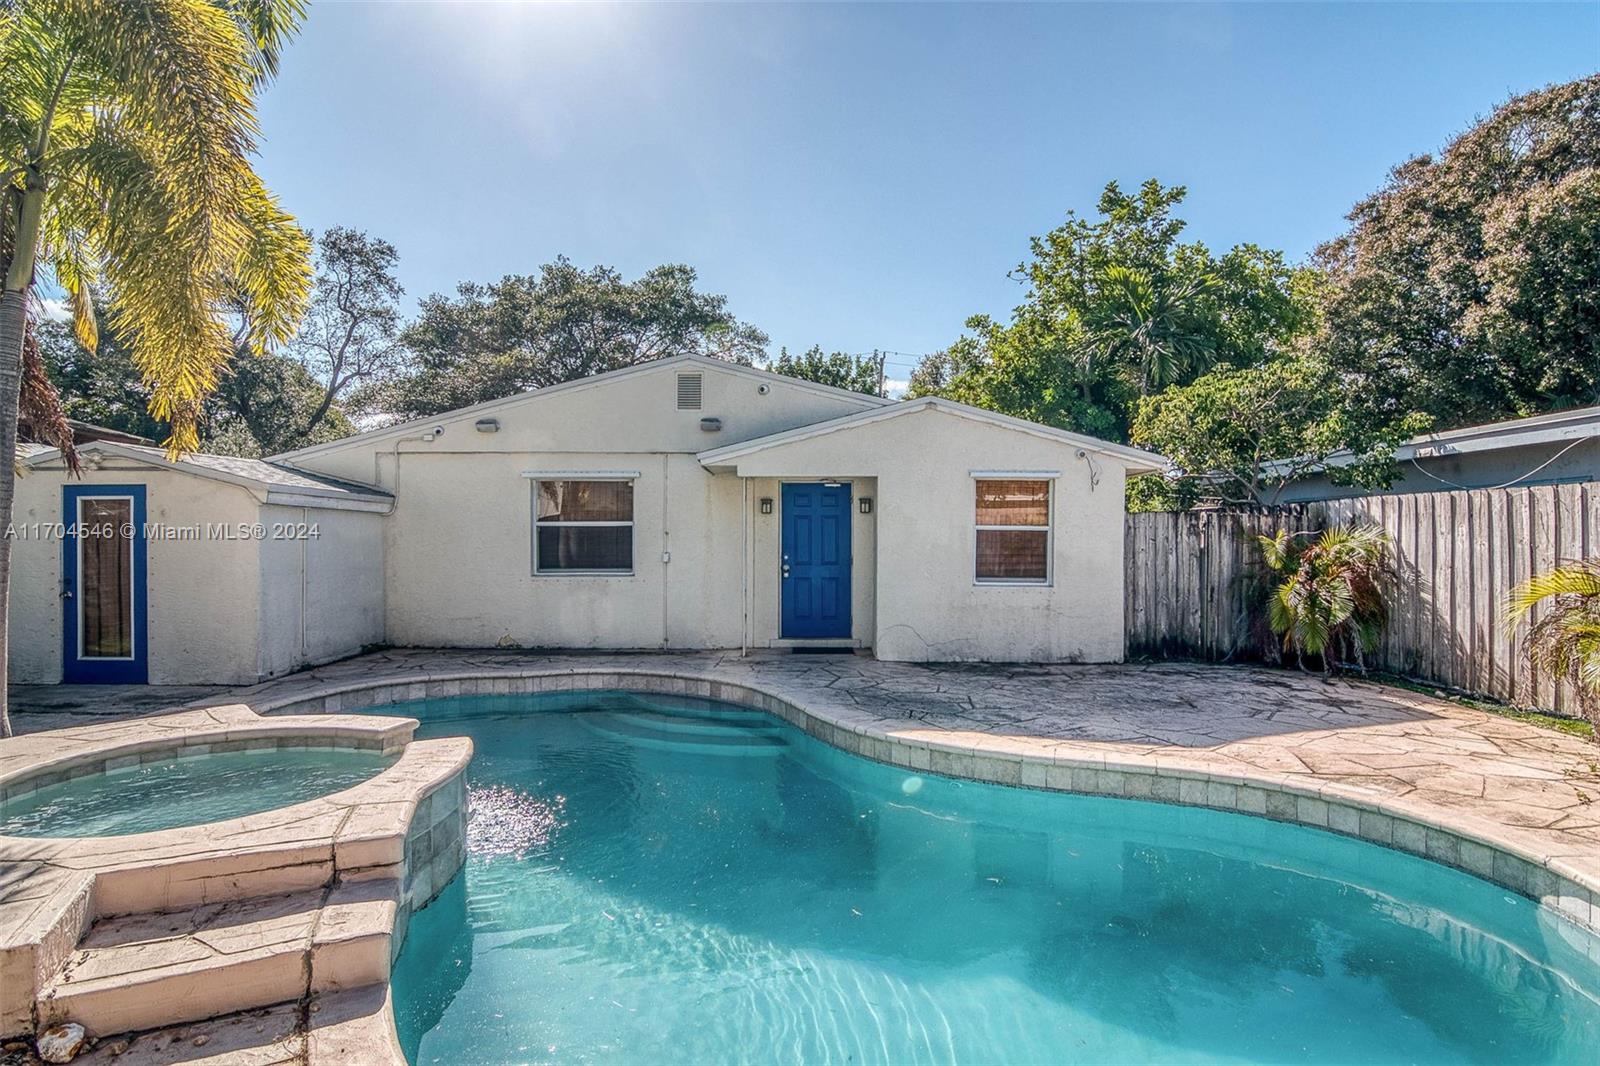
x,y
689,389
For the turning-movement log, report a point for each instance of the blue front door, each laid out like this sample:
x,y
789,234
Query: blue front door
x,y
816,561
103,605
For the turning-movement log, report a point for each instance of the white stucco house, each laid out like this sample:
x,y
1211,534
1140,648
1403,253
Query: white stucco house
x,y
686,503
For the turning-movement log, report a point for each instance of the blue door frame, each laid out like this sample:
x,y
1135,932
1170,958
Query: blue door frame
x,y
816,561
76,668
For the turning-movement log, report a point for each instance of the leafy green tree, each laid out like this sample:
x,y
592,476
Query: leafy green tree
x,y
270,403
349,339
529,331
1241,436
262,403
858,373
126,133
103,386
1117,308
1468,287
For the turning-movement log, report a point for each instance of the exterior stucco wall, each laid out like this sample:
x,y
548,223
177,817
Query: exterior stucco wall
x,y
202,592
322,586
460,557
459,546
927,605
459,566
629,415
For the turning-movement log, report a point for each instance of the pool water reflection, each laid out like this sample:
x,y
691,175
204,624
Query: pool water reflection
x,y
657,879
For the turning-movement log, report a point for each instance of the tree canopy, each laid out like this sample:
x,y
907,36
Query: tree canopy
x,y
526,331
1468,287
1118,307
1240,436
857,373
263,403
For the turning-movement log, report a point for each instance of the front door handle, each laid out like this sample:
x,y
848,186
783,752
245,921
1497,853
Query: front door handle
x,y
785,569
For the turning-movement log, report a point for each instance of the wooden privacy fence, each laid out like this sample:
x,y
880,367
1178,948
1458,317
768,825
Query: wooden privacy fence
x,y
1457,554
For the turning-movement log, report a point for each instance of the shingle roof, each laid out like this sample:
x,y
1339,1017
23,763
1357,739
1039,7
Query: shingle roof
x,y
264,471
259,472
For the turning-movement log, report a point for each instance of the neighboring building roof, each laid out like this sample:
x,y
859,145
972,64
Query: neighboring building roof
x,y
1135,459
403,428
84,432
1557,427
283,484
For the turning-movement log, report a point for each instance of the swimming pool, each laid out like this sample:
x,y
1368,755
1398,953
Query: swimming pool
x,y
661,879
183,790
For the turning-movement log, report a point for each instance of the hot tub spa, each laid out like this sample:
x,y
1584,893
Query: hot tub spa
x,y
669,879
175,787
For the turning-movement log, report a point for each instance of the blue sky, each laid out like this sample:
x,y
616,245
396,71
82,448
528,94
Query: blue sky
x,y
864,176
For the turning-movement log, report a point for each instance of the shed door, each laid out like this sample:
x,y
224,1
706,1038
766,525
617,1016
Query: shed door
x,y
816,561
104,609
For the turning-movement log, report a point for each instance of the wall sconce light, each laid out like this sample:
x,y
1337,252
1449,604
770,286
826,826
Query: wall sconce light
x,y
866,504
766,505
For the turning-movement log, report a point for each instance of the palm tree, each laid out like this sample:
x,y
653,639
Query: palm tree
x,y
1565,639
126,132
1151,325
1327,593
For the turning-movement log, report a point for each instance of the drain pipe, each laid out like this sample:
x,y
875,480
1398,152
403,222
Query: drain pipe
x,y
666,548
744,567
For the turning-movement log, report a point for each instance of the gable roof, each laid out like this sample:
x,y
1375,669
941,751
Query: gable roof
x,y
1135,459
282,483
594,380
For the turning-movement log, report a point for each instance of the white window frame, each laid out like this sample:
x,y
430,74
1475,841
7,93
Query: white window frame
x,y
537,477
1049,478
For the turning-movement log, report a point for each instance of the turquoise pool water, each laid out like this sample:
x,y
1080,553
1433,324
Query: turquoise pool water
x,y
191,790
661,880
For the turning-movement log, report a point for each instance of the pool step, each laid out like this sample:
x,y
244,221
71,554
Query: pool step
x,y
759,725
145,970
688,735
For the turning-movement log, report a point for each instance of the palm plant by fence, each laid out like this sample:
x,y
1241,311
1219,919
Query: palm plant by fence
x,y
1565,639
1457,557
1326,592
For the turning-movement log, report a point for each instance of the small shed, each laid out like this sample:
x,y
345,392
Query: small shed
x,y
210,569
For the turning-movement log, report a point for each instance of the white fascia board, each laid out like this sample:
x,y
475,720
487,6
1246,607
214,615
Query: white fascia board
x,y
329,503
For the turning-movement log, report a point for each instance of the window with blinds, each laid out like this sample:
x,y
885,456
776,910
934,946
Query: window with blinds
x,y
583,527
1013,531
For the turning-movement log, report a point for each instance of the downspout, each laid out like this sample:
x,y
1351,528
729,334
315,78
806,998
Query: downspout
x,y
666,544
744,567
305,585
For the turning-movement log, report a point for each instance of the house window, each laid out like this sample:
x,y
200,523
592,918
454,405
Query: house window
x,y
1013,523
583,527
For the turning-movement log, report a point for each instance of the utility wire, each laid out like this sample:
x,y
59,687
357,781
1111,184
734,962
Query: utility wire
x,y
1506,484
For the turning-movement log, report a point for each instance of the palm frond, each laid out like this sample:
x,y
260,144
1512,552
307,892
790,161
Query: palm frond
x,y
1574,579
